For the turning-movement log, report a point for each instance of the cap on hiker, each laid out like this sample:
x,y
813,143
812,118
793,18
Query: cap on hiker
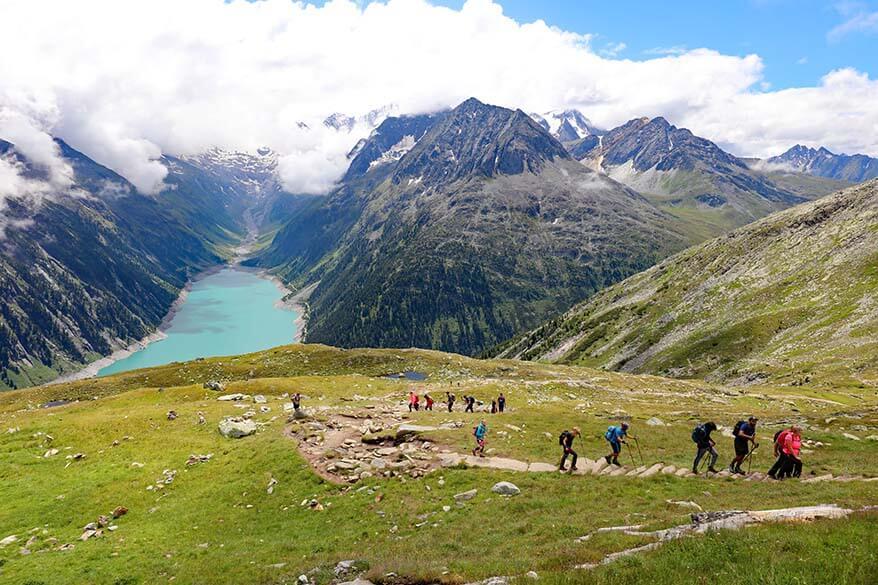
x,y
624,426
576,431
753,419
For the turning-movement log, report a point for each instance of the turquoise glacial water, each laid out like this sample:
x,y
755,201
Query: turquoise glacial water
x,y
230,312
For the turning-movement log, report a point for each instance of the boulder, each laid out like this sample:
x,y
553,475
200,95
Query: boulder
x,y
259,399
236,427
652,470
655,422
214,385
505,488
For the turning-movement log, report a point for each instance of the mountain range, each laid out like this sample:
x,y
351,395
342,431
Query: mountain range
x,y
821,162
789,298
454,230
457,230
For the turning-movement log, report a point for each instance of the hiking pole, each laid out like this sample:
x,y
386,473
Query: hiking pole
x,y
631,455
637,444
750,457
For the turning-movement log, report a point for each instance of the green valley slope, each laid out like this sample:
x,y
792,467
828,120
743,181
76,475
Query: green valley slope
x,y
791,298
252,511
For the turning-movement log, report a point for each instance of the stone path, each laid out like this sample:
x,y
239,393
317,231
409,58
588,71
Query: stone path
x,y
601,467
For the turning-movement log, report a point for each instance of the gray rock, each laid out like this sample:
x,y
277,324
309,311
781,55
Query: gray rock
x,y
236,427
214,385
465,496
655,422
259,399
235,397
8,540
505,488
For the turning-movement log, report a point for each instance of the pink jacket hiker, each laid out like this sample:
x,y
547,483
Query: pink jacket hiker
x,y
792,444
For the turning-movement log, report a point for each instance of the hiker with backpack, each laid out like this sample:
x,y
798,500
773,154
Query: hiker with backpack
x,y
615,436
566,442
745,434
792,446
449,399
479,433
429,402
493,407
781,458
413,401
470,403
701,436
501,403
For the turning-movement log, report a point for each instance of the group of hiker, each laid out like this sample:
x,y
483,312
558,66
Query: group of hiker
x,y
787,447
414,402
787,442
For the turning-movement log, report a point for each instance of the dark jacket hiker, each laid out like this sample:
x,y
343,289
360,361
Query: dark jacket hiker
x,y
566,442
701,436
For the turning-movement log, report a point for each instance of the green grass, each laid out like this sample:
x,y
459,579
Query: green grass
x,y
217,524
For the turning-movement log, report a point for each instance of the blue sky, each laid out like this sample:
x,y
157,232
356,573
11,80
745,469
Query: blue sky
x,y
793,37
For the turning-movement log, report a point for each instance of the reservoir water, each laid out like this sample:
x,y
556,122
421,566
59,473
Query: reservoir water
x,y
229,312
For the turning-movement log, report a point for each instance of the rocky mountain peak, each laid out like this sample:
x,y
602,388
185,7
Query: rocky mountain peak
x,y
476,139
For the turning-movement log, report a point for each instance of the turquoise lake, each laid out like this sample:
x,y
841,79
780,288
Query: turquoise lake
x,y
230,312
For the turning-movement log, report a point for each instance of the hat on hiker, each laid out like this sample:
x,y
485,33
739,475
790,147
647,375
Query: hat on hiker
x,y
576,431
753,419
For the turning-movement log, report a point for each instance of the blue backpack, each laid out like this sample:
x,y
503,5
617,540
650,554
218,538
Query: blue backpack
x,y
610,435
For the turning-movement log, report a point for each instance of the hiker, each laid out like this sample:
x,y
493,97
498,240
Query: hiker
x,y
615,436
701,436
493,407
791,448
566,442
745,434
501,402
449,399
479,433
470,403
429,402
413,401
297,401
781,458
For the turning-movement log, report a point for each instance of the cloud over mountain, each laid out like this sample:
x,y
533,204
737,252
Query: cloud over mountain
x,y
124,82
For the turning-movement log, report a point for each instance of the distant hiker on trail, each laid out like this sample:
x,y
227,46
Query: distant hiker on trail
x,y
745,434
413,401
701,436
792,445
566,442
297,401
501,402
470,403
493,407
615,436
781,460
479,433
429,402
449,399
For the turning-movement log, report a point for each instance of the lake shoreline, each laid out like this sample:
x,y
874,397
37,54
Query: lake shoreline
x,y
288,301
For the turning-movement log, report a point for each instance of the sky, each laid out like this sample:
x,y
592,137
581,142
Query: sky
x,y
125,82
799,41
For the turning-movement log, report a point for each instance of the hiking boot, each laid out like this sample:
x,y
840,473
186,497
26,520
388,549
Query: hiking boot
x,y
712,469
740,471
608,458
616,463
562,468
694,470
574,468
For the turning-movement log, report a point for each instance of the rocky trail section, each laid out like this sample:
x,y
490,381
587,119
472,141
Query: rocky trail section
x,y
601,467
349,446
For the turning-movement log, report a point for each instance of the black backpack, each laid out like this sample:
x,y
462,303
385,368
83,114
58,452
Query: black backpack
x,y
562,437
737,428
699,434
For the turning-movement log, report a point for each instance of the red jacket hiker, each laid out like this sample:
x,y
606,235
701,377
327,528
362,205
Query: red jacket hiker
x,y
792,443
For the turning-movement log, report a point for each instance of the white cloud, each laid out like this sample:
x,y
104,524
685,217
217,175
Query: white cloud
x,y
858,20
133,79
613,49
